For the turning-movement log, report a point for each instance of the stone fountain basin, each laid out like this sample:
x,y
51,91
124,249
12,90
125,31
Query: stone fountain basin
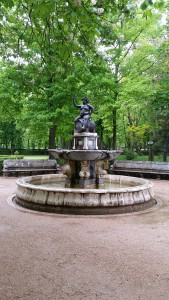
x,y
32,194
81,155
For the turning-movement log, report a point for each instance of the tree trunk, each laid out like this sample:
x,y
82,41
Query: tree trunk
x,y
52,135
101,137
114,128
165,154
115,100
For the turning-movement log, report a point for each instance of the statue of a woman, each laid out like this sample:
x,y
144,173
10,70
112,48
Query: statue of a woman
x,y
85,110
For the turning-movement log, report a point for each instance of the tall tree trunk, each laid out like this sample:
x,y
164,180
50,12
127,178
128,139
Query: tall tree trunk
x,y
101,144
165,154
52,135
115,100
114,128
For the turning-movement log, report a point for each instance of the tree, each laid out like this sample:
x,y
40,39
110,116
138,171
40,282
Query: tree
x,y
160,102
48,39
130,56
46,36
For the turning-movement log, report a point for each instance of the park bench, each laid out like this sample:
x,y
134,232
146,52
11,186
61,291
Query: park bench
x,y
20,167
148,169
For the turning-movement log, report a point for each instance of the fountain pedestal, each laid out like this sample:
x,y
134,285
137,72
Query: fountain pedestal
x,y
85,171
85,141
84,174
84,162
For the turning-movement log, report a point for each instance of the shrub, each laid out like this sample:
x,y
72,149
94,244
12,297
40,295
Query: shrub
x,y
16,152
130,154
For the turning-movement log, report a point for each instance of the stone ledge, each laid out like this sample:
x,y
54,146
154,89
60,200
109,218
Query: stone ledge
x,y
27,166
127,164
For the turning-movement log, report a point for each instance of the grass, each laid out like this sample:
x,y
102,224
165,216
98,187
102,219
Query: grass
x,y
157,158
36,156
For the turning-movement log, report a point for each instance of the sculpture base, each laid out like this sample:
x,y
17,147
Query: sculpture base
x,y
82,183
84,174
85,141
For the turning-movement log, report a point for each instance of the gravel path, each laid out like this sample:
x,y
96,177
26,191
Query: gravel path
x,y
58,257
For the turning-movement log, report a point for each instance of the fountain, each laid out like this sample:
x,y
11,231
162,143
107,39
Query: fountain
x,y
84,187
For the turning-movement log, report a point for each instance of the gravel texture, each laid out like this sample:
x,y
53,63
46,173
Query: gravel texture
x,y
45,256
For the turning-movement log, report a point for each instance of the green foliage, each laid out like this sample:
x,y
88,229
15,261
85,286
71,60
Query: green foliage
x,y
7,3
157,158
137,136
15,156
149,4
10,135
130,154
16,152
50,51
10,94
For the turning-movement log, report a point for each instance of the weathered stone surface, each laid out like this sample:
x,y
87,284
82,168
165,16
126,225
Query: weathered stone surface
x,y
105,199
80,155
128,198
114,199
147,165
39,196
139,192
26,167
55,198
92,199
73,199
27,163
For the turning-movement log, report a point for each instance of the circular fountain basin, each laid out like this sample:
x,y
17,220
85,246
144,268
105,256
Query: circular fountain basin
x,y
47,193
81,155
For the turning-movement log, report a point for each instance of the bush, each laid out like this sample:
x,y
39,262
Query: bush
x,y
16,152
130,154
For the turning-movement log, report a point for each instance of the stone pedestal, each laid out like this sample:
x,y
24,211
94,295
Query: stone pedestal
x,y
85,141
84,174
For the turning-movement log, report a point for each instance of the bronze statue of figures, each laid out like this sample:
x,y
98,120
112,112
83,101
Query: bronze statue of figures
x,y
83,122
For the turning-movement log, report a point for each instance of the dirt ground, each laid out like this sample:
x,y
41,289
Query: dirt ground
x,y
45,256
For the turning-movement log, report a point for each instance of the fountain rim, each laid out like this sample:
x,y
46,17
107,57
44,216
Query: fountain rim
x,y
99,154
85,150
24,183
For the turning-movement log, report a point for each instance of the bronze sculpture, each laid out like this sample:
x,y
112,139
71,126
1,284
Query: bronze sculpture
x,y
83,122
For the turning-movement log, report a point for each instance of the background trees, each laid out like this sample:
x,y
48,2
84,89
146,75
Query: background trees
x,y
111,53
160,102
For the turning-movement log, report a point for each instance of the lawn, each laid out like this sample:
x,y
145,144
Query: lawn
x,y
36,156
157,158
